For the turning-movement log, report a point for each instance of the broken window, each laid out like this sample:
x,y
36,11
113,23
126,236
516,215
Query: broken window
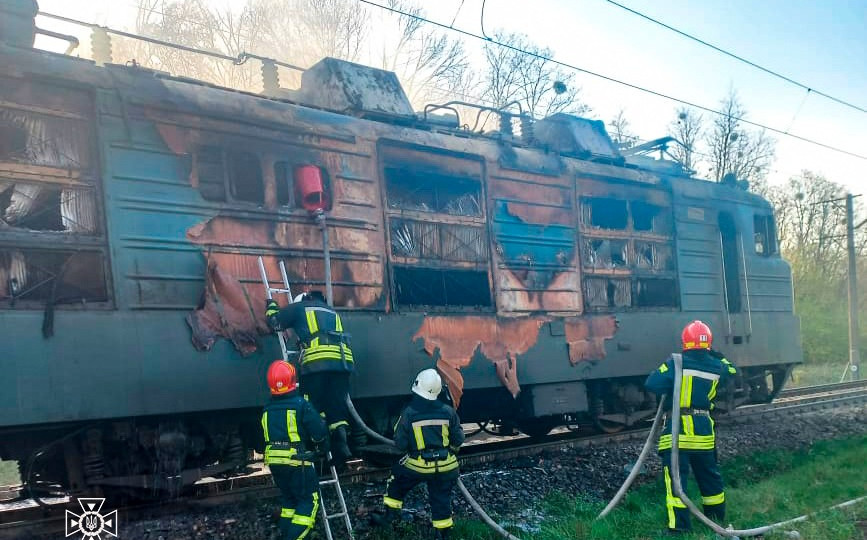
x,y
431,192
764,235
245,177
211,173
436,287
43,139
605,253
48,207
52,276
654,292
235,175
439,241
627,252
605,213
284,183
608,293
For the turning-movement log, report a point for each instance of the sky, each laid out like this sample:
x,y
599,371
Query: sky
x,y
820,43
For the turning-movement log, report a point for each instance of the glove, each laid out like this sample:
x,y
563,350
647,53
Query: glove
x,y
271,308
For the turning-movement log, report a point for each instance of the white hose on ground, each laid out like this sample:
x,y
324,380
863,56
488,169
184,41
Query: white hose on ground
x,y
675,473
478,509
636,469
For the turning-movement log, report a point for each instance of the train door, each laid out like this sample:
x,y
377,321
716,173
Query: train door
x,y
731,261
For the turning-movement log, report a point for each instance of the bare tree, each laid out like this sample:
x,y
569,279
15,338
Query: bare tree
x,y
736,150
430,65
530,78
687,129
618,128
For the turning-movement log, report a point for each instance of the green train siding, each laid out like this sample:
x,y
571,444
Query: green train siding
x,y
137,359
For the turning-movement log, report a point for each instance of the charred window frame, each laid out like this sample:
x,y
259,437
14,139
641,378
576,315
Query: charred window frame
x,y
52,240
627,254
438,236
229,175
764,235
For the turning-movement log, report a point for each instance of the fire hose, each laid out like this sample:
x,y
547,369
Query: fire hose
x,y
676,486
475,505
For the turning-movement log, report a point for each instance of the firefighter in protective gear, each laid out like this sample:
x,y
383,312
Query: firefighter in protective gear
x,y
705,373
326,361
293,428
429,433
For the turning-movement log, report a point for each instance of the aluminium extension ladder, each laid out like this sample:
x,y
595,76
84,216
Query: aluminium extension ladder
x,y
334,480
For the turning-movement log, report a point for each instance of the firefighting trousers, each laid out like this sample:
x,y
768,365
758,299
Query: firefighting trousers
x,y
439,489
327,392
299,499
710,485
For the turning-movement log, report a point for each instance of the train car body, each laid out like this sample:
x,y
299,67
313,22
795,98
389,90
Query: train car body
x,y
544,278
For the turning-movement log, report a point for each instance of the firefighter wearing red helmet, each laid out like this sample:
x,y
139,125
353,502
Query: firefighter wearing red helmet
x,y
294,431
705,374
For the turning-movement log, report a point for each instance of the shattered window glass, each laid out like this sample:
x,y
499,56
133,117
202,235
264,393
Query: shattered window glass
x,y
47,207
604,293
605,213
53,276
439,241
43,140
245,177
605,253
211,171
431,192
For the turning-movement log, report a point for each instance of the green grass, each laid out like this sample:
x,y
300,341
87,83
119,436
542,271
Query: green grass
x,y
810,374
8,473
763,488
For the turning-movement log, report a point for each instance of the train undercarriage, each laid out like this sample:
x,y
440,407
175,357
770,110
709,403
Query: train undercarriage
x,y
158,457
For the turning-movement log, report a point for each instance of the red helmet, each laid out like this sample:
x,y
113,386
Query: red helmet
x,y
281,377
696,335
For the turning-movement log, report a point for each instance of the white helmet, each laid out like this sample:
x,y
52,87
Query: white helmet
x,y
428,384
299,297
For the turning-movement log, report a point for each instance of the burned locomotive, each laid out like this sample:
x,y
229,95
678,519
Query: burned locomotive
x,y
543,274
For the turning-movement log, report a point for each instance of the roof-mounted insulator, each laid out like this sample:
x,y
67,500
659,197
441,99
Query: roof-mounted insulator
x,y
270,78
100,43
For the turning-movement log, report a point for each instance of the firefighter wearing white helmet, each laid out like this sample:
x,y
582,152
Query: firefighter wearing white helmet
x,y
326,361
429,433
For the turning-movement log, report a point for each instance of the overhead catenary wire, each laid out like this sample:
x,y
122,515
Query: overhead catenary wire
x,y
739,58
616,81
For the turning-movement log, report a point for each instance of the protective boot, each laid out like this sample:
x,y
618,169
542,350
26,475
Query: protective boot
x,y
443,534
716,512
386,519
340,447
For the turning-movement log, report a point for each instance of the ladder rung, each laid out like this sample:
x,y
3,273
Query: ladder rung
x,y
284,291
333,516
327,482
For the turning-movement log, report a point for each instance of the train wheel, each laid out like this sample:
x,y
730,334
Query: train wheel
x,y
536,428
608,426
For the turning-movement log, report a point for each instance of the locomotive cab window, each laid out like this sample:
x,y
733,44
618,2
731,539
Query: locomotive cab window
x,y
764,235
229,175
245,177
437,232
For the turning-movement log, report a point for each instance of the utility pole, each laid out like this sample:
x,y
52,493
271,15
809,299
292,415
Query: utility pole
x,y
854,356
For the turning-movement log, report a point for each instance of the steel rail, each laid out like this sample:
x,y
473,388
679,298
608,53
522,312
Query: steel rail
x,y
25,522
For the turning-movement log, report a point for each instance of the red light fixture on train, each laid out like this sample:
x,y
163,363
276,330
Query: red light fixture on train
x,y
311,188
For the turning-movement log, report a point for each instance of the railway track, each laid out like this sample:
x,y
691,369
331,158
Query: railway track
x,y
26,519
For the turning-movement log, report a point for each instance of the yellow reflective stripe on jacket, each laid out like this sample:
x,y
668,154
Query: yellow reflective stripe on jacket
x,y
292,426
338,325
326,352
419,465
265,425
445,428
688,442
712,393
392,503
419,437
287,512
307,520
663,368
312,325
686,392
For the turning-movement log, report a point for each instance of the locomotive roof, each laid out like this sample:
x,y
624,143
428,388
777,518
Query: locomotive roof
x,y
149,88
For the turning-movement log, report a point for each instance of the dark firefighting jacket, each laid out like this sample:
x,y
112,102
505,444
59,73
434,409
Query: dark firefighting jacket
x,y
324,345
292,428
704,374
430,433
